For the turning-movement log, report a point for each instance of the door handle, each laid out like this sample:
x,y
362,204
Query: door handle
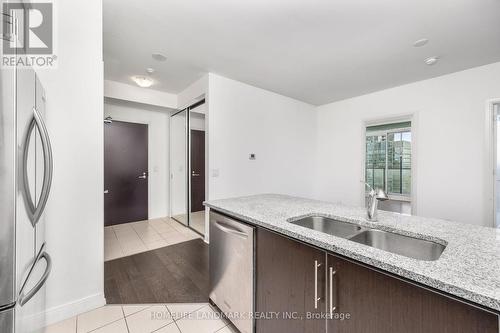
x,y
35,211
316,298
106,191
143,176
332,275
25,297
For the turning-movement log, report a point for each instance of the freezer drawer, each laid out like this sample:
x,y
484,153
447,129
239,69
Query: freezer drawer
x,y
232,270
7,321
30,310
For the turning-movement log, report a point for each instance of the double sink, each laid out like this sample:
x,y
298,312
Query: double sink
x,y
391,242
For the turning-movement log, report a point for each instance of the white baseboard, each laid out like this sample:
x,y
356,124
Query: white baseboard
x,y
71,309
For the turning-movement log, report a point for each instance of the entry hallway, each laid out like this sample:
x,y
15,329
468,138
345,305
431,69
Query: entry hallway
x,y
158,318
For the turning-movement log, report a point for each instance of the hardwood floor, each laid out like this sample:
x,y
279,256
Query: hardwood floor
x,y
172,274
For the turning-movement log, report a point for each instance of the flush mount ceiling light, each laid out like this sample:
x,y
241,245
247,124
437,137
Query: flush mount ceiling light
x,y
420,42
159,57
431,61
143,81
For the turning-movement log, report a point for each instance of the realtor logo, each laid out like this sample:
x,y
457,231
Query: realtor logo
x,y
28,34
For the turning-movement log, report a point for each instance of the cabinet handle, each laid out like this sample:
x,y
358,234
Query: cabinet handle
x,y
332,308
316,298
230,229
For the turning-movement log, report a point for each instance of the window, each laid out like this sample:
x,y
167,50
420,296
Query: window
x,y
388,159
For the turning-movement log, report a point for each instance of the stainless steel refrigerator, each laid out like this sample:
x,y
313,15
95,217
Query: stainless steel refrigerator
x,y
25,180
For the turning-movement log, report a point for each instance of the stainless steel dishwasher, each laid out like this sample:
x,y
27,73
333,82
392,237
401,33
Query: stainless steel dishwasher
x,y
232,270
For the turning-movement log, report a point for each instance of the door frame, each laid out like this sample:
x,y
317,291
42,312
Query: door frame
x,y
147,123
490,161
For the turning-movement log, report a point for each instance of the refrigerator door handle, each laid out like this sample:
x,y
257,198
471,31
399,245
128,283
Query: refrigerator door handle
x,y
37,210
25,297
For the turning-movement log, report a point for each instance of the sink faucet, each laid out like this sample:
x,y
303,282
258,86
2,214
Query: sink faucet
x,y
374,197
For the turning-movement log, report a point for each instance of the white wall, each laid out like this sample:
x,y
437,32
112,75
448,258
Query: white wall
x,y
157,120
74,212
193,93
450,154
127,92
243,119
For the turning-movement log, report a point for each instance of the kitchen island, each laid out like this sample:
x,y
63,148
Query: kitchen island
x,y
468,270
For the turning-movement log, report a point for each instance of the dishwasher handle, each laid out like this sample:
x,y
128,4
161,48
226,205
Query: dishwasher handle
x,y
230,229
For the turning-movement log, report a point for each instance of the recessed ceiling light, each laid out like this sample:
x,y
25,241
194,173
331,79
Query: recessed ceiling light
x,y
143,81
431,61
150,70
159,57
421,42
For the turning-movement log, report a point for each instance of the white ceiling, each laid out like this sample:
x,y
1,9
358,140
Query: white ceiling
x,y
317,51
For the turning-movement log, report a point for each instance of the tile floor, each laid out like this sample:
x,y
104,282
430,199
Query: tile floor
x,y
130,238
158,318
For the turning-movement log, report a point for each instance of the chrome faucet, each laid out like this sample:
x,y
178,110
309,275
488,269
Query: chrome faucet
x,y
374,197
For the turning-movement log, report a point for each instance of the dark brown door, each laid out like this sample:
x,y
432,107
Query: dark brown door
x,y
290,284
125,172
377,303
197,170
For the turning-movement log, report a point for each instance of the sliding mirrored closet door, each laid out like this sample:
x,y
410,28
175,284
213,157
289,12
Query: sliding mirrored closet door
x,y
197,166
179,167
188,165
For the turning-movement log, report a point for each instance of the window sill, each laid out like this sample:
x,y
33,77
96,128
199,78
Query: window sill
x,y
394,197
399,198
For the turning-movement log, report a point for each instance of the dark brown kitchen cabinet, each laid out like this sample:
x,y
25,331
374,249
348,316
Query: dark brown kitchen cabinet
x,y
290,285
377,302
291,275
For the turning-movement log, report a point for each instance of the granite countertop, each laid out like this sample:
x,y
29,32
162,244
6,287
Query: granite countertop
x,y
468,268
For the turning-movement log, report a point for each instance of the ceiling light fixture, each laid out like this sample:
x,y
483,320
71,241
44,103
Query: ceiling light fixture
x,y
420,42
150,70
159,57
431,61
143,81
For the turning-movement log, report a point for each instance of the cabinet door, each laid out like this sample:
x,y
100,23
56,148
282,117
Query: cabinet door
x,y
290,285
377,303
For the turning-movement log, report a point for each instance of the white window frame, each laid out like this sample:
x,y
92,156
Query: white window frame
x,y
491,160
413,118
